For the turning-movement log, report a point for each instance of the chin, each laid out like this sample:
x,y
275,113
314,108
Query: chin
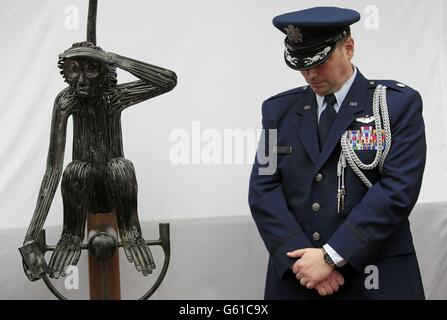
x,y
320,91
85,94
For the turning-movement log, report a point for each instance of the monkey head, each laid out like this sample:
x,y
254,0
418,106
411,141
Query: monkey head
x,y
86,76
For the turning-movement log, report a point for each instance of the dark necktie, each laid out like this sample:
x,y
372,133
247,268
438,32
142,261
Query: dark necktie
x,y
327,118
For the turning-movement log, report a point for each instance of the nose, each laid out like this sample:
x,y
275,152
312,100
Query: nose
x,y
310,73
82,82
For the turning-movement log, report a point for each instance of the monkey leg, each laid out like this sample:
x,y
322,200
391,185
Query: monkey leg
x,y
121,186
77,188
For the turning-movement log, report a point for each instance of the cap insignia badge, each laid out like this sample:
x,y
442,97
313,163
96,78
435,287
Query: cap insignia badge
x,y
294,34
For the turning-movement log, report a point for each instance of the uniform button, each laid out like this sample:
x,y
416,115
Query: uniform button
x,y
316,236
316,207
318,177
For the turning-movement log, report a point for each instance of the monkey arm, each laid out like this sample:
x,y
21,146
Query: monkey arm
x,y
153,81
55,160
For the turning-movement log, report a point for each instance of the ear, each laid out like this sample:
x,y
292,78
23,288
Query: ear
x,y
348,48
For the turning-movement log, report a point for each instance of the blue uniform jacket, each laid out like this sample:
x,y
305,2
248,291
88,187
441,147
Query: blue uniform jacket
x,y
296,207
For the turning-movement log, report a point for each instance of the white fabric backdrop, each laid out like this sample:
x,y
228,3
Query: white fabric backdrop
x,y
228,58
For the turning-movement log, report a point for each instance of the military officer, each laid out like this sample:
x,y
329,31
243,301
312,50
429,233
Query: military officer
x,y
350,155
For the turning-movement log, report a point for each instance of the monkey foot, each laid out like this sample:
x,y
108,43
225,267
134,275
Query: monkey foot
x,y
68,251
138,252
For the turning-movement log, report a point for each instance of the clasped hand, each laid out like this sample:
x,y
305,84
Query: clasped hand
x,y
314,273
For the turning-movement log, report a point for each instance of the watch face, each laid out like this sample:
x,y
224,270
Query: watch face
x,y
328,259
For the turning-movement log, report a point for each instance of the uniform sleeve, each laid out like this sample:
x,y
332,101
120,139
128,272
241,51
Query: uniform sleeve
x,y
277,225
388,203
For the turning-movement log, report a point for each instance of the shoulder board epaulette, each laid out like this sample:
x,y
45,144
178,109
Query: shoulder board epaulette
x,y
390,84
289,92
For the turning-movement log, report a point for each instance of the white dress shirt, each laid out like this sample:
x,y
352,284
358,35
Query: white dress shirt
x,y
340,95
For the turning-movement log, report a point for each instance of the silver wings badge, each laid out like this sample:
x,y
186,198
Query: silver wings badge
x,y
367,119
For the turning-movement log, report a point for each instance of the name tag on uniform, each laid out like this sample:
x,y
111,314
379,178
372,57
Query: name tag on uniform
x,y
365,138
282,150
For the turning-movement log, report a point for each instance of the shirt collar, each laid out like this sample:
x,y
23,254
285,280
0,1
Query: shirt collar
x,y
341,94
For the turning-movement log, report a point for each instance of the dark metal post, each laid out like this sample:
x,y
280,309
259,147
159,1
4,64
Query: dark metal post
x,y
91,21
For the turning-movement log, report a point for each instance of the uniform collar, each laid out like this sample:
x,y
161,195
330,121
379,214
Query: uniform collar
x,y
354,103
340,95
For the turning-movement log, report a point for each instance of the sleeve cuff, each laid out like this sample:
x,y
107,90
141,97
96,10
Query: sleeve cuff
x,y
338,259
281,262
354,248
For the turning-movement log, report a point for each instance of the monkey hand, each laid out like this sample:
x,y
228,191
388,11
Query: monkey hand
x,y
83,52
33,259
137,251
68,251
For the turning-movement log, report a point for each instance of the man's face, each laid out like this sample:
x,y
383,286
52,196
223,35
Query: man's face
x,y
334,72
84,75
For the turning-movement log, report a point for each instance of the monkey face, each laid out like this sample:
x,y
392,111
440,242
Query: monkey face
x,y
84,75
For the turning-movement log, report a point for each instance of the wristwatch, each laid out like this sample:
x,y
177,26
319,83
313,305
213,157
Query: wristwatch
x,y
327,258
